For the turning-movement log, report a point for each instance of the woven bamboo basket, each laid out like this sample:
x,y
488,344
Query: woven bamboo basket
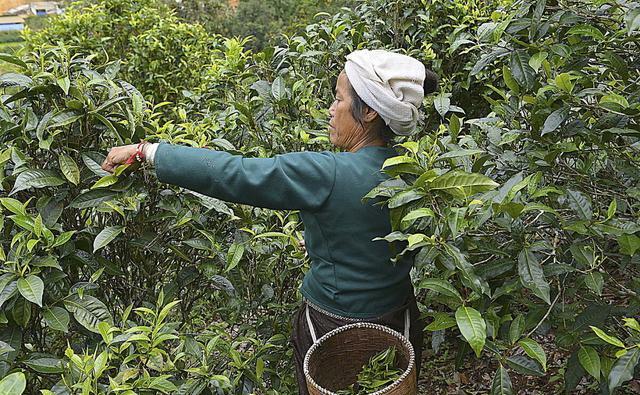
x,y
334,361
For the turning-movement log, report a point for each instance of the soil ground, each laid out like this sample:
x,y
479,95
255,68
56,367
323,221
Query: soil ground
x,y
439,375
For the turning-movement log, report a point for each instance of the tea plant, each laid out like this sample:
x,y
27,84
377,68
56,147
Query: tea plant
x,y
517,198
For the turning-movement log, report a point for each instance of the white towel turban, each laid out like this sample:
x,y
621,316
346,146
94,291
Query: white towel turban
x,y
389,83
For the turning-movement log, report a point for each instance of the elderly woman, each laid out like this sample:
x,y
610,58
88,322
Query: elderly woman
x,y
351,276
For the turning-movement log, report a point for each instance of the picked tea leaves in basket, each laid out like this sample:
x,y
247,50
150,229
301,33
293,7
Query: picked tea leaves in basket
x,y
379,372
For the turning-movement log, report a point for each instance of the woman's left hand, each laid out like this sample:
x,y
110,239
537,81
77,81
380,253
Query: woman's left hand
x,y
118,156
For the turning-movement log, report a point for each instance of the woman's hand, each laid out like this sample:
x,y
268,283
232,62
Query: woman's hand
x,y
117,156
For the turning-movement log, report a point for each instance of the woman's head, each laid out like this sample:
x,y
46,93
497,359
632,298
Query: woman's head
x,y
352,124
377,96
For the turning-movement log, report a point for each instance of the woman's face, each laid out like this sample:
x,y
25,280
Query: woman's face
x,y
344,130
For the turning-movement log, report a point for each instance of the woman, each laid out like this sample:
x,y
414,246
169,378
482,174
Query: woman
x,y
351,276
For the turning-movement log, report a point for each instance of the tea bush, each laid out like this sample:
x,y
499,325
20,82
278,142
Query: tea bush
x,y
517,198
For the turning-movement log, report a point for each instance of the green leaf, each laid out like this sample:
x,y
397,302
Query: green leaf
x,y
93,160
632,20
419,213
6,348
106,236
524,74
441,321
583,254
64,83
57,318
234,255
574,373
466,270
13,205
21,312
535,351
166,310
13,60
162,384
109,103
32,288
590,361
536,60
14,79
404,197
580,204
105,181
629,244
442,287
455,125
516,328
213,203
37,226
509,81
609,339
279,89
8,291
623,369
485,31
472,327
461,184
63,238
595,282
486,59
613,207
63,118
36,179
69,168
460,153
501,384
398,160
45,365
42,125
13,384
538,207
564,82
586,30
614,102
109,126
88,311
525,365
442,104
632,323
92,198
554,120
532,275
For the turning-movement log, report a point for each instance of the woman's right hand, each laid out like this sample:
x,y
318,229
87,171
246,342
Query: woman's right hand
x,y
118,156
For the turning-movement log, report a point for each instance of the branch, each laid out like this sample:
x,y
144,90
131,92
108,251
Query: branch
x,y
545,316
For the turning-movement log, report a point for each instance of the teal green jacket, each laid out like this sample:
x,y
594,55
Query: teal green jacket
x,y
351,275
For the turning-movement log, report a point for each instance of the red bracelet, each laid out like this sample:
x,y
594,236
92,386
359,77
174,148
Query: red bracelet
x,y
137,156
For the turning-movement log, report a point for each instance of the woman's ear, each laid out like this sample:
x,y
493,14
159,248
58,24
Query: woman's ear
x,y
369,114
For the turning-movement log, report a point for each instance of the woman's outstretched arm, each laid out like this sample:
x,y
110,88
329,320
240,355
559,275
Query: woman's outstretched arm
x,y
292,181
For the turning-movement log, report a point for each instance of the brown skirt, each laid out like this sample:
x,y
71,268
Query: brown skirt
x,y
323,323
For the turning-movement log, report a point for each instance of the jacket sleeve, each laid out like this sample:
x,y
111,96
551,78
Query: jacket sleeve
x,y
292,181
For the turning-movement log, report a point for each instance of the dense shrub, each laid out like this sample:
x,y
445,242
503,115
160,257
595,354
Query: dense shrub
x,y
10,37
553,245
517,198
163,56
263,21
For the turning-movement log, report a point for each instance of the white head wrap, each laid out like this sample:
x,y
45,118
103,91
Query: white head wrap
x,y
390,83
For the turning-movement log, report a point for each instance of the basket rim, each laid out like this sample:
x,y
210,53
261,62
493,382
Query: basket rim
x,y
358,325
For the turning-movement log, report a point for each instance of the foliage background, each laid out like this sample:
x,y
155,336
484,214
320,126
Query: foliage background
x,y
518,197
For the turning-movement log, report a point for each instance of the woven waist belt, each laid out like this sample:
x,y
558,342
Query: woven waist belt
x,y
312,331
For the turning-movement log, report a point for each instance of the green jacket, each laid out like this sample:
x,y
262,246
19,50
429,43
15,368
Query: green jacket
x,y
351,275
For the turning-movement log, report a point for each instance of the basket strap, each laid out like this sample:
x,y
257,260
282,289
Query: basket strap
x,y
407,323
310,324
